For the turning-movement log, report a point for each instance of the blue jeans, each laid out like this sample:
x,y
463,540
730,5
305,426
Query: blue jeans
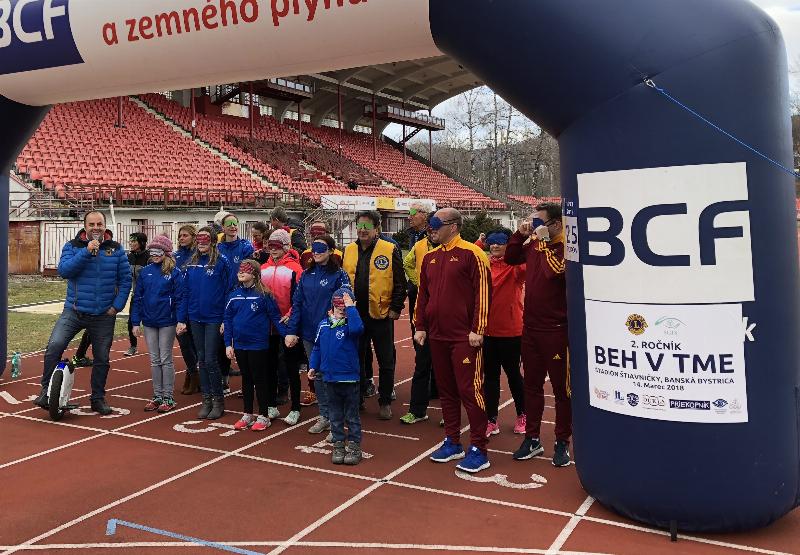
x,y
68,325
206,343
343,402
319,385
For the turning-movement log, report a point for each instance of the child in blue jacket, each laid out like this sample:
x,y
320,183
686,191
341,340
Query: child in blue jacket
x,y
249,311
155,303
335,358
206,284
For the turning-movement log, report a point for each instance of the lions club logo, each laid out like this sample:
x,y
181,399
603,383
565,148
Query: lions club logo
x,y
636,324
340,334
381,262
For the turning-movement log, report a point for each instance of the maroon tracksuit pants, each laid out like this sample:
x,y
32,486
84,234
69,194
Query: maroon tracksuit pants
x,y
459,377
544,353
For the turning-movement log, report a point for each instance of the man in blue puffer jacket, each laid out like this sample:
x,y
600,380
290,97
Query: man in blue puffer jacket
x,y
99,282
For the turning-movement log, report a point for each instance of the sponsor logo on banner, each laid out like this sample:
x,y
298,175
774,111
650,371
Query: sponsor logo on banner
x,y
619,398
636,324
600,394
669,325
570,209
36,34
688,404
633,399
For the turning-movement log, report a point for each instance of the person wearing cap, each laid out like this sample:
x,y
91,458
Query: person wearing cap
x,y
138,259
205,288
501,344
335,360
154,310
539,244
455,291
318,228
249,311
186,246
279,219
423,383
375,267
280,275
98,284
235,250
310,303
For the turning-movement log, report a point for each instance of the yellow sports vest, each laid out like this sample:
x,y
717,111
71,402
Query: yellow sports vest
x,y
421,248
381,282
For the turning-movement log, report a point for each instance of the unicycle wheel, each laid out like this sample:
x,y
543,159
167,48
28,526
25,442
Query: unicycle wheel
x,y
55,395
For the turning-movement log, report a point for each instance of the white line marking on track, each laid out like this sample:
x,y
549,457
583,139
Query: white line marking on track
x,y
143,491
359,545
565,533
389,435
129,397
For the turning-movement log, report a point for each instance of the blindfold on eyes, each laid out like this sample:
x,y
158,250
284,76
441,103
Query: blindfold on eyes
x,y
203,240
156,252
247,269
338,302
436,223
497,239
319,247
275,245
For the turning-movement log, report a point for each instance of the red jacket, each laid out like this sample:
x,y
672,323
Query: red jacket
x,y
455,290
545,283
281,278
505,314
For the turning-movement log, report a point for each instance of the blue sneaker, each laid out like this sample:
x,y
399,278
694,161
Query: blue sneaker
x,y
449,451
475,462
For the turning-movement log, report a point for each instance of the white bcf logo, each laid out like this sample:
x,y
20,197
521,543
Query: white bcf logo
x,y
12,20
675,235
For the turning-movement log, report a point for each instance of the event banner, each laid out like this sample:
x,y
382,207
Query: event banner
x,y
678,363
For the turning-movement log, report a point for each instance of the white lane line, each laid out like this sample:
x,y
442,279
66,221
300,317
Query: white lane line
x,y
129,397
123,370
143,491
389,435
329,544
565,533
353,500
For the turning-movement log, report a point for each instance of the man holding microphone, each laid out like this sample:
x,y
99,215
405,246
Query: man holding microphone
x,y
98,284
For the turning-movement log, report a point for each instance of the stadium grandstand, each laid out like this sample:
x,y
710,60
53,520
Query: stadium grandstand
x,y
311,143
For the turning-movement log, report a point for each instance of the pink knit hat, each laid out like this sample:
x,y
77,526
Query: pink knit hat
x,y
281,236
161,242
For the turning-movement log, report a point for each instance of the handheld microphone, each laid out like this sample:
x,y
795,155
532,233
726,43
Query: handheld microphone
x,y
95,236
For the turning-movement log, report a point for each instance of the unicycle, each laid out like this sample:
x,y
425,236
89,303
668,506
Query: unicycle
x,y
60,389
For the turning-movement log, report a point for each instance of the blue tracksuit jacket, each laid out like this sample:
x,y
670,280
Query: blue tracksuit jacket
x,y
248,314
205,290
156,297
335,352
312,299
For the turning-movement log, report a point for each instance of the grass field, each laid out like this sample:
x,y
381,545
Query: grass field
x,y
28,333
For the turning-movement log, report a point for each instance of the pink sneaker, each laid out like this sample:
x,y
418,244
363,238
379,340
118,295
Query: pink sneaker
x,y
492,429
261,424
519,425
244,422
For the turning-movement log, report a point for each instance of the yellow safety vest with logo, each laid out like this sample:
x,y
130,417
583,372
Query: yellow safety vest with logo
x,y
381,275
412,263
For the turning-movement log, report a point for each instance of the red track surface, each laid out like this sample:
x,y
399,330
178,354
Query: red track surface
x,y
275,492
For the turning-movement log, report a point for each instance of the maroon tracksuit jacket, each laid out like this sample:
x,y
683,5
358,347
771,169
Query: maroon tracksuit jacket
x,y
455,289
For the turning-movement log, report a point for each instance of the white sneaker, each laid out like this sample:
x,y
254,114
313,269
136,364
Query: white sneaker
x,y
273,413
292,418
329,439
321,425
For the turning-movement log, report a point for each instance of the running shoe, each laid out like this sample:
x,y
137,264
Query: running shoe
x,y
492,429
292,418
561,454
308,398
244,422
321,425
273,413
167,404
261,424
476,461
530,448
449,451
520,424
153,404
130,352
411,418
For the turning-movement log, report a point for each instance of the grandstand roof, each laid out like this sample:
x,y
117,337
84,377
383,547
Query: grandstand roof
x,y
421,84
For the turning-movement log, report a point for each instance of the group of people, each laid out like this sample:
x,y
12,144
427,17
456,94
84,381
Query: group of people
x,y
276,304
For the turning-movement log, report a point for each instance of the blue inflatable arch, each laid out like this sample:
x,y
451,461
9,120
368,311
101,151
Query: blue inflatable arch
x,y
683,270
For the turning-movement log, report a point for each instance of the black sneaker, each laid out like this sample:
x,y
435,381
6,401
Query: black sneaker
x,y
371,391
530,448
81,362
101,407
42,401
561,454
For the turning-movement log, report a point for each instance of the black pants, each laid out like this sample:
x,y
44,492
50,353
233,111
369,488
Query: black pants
x,y
423,384
505,352
253,366
291,359
380,334
132,338
83,347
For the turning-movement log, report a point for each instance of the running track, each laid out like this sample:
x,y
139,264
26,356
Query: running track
x,y
277,492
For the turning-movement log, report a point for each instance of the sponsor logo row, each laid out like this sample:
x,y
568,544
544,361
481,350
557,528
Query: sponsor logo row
x,y
658,402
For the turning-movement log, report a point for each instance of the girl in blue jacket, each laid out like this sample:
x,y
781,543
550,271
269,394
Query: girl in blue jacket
x,y
154,306
186,246
206,285
310,304
335,359
248,313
